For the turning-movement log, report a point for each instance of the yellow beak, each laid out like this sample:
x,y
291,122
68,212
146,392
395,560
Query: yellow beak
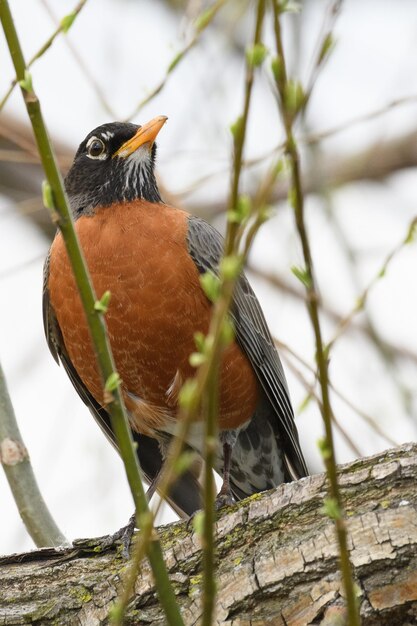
x,y
146,134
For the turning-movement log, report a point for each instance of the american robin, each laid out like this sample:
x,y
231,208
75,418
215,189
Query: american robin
x,y
149,255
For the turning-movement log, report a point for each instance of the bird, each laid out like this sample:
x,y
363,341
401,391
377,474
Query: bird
x,y
150,256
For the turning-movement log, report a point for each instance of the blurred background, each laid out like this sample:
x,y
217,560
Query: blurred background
x,y
358,139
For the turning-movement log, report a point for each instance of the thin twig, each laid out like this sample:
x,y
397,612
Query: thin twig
x,y
191,402
361,300
210,412
387,353
360,119
63,27
95,320
311,393
201,24
290,104
210,395
371,421
19,472
91,79
324,47
400,352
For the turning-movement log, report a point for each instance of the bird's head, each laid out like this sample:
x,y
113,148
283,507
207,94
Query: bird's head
x,y
114,163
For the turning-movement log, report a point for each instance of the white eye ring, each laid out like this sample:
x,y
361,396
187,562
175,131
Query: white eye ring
x,y
96,149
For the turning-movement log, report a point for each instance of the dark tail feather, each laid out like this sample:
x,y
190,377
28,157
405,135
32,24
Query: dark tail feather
x,y
185,494
263,457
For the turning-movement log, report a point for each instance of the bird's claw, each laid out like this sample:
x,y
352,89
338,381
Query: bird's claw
x,y
223,499
122,537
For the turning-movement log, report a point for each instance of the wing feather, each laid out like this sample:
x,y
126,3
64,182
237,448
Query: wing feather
x,y
252,334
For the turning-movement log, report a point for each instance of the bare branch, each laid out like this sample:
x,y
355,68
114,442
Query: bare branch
x,y
16,463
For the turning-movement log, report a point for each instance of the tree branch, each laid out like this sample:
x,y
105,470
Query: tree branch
x,y
14,458
277,559
289,93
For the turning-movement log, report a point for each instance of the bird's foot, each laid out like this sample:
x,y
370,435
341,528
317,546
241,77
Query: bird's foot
x,y
223,498
122,537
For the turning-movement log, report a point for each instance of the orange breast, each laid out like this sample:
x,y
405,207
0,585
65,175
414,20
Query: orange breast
x,y
138,251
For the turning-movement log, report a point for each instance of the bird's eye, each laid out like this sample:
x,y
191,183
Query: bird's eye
x,y
95,148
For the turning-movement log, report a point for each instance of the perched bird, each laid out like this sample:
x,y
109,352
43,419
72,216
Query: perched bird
x,y
149,255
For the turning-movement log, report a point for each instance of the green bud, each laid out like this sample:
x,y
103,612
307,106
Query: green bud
x,y
26,83
324,448
187,393
102,305
230,267
211,286
67,21
200,341
227,332
240,214
244,206
184,462
196,359
255,55
48,196
326,352
357,590
326,48
289,6
303,275
233,217
113,382
236,127
294,97
331,508
198,523
204,19
277,68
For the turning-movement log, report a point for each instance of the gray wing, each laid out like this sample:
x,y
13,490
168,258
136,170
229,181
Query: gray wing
x,y
185,494
205,245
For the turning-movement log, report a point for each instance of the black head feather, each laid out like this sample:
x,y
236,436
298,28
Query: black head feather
x,y
98,177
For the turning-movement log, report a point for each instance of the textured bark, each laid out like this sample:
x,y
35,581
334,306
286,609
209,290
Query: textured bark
x,y
277,560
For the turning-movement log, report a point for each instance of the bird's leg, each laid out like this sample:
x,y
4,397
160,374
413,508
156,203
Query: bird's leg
x,y
153,485
125,534
122,536
225,497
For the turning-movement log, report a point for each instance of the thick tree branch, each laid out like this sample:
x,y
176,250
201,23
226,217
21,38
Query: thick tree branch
x,y
277,560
